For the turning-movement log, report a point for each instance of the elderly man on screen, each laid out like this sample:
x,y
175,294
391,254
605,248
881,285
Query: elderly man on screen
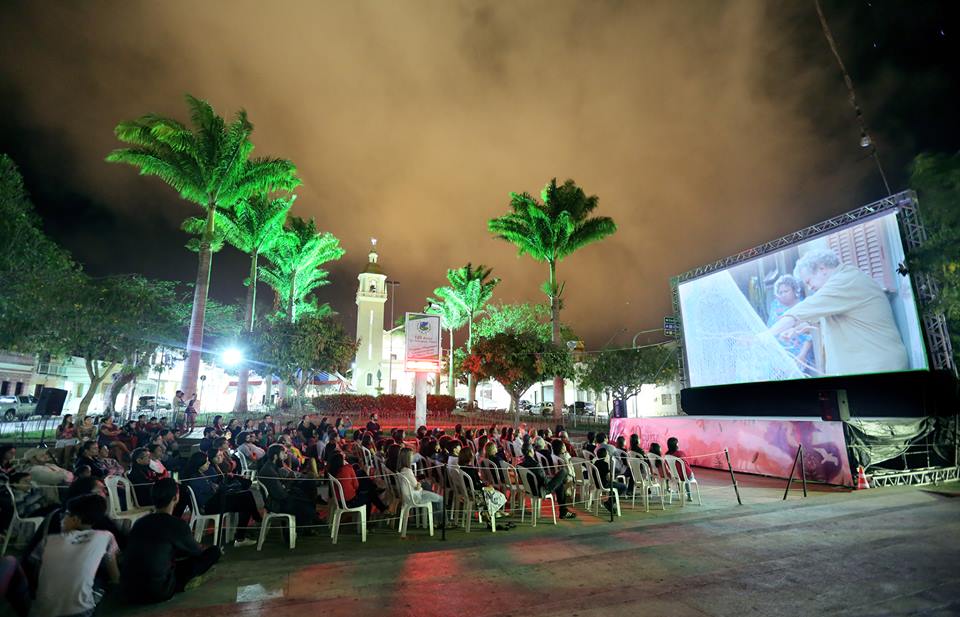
x,y
859,333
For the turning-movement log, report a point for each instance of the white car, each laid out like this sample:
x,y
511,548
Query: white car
x,y
17,406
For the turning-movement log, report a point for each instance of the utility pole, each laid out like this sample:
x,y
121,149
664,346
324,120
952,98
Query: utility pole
x,y
393,290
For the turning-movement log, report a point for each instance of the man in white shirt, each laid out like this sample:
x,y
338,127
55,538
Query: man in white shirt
x,y
859,332
71,560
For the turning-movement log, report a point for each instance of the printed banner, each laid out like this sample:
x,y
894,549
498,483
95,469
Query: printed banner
x,y
761,446
422,335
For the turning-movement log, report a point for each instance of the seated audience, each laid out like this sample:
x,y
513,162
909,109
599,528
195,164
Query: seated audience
x,y
48,475
284,499
417,492
603,466
217,497
356,491
142,476
544,485
89,458
162,558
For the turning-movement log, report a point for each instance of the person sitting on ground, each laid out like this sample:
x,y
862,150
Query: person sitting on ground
x,y
284,499
603,466
162,557
89,456
142,476
673,449
71,559
418,494
356,491
200,476
48,476
543,485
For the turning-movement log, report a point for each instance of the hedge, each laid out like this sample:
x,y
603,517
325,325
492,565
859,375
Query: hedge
x,y
335,404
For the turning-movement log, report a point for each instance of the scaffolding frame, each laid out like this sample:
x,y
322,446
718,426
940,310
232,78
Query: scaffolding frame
x,y
913,233
915,477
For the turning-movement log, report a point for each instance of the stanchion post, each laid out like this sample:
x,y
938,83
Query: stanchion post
x,y
733,478
443,516
793,468
612,488
803,472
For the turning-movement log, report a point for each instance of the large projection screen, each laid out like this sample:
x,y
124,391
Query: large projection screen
x,y
833,305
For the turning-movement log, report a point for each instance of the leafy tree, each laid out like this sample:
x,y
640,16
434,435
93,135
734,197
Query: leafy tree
x,y
298,351
34,271
517,360
524,317
936,178
550,230
295,271
255,226
469,289
622,372
451,318
208,164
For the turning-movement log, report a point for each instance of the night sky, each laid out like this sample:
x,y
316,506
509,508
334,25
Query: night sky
x,y
704,127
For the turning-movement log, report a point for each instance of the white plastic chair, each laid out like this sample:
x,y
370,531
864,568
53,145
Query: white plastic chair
x,y
339,507
644,482
678,476
245,470
581,481
116,512
658,470
588,456
409,502
289,519
514,490
536,501
16,522
598,491
198,520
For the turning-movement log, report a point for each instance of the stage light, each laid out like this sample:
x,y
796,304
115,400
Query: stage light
x,y
232,356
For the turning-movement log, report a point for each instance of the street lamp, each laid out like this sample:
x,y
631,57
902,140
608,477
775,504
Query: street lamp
x,y
393,293
231,356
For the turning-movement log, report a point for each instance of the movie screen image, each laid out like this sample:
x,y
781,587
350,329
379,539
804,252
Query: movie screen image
x,y
833,305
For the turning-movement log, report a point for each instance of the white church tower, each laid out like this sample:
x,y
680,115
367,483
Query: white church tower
x,y
371,297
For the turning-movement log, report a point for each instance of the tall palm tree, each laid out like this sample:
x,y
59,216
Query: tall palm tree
x,y
255,226
451,318
208,164
295,271
549,231
469,290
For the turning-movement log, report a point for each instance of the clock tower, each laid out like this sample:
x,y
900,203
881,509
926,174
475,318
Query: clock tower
x,y
371,297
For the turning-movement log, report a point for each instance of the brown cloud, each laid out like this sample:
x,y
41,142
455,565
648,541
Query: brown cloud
x,y
705,127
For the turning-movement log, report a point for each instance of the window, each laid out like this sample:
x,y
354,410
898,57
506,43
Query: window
x,y
5,388
369,379
19,388
666,399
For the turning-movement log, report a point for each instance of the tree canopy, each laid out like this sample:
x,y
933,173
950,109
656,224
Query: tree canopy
x,y
622,372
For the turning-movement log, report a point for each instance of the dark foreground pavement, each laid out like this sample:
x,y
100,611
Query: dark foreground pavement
x,y
890,551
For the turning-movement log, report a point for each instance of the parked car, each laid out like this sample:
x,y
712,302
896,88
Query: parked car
x,y
581,408
15,406
152,403
526,406
544,409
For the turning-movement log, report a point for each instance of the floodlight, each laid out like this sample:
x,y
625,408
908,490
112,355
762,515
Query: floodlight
x,y
232,356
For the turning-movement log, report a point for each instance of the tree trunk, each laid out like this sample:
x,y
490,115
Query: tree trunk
x,y
436,384
471,380
515,405
191,369
291,301
558,383
96,378
451,385
116,386
243,380
268,390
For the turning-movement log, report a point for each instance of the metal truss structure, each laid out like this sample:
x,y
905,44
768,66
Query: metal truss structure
x,y
914,234
915,477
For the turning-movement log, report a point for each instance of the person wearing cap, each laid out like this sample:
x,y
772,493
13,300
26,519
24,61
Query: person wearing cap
x,y
46,474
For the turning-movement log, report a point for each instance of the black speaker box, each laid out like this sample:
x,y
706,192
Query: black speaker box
x,y
50,402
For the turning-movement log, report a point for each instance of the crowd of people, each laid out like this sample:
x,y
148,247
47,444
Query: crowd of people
x,y
249,468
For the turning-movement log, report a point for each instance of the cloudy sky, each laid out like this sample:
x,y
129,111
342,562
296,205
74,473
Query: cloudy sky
x,y
705,128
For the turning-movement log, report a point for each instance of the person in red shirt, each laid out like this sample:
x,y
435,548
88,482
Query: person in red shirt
x,y
356,491
673,449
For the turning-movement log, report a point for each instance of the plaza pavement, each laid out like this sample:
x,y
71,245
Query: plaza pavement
x,y
891,551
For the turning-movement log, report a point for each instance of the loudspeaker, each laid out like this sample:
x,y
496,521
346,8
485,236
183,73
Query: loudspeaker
x,y
833,405
50,402
619,409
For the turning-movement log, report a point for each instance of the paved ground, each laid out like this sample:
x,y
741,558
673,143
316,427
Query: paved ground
x,y
887,551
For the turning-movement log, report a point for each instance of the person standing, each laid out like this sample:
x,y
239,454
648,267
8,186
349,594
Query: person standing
x,y
162,558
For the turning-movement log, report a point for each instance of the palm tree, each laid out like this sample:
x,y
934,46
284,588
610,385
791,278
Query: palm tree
x,y
550,231
208,164
451,318
254,226
295,267
469,290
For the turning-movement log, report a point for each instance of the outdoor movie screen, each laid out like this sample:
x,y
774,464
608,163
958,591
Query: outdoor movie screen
x,y
834,305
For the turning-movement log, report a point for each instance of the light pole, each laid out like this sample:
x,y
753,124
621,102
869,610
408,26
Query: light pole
x,y
203,381
393,293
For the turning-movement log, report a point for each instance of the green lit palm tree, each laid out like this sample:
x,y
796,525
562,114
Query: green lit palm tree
x,y
295,271
451,318
548,231
256,227
208,164
469,289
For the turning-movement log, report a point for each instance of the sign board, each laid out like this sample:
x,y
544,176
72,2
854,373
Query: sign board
x,y
671,327
422,334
